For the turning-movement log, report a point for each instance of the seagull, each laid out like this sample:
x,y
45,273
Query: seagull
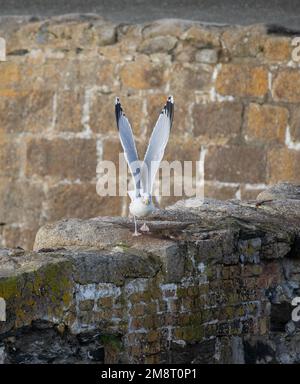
x,y
143,173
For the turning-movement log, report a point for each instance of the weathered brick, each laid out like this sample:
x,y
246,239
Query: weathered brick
x,y
73,34
244,41
137,323
69,111
104,33
185,52
217,119
104,315
20,201
201,36
9,74
27,111
138,310
278,49
236,163
177,149
49,75
180,158
242,80
208,56
283,165
99,73
191,78
25,34
10,161
70,159
266,122
295,123
86,305
286,86
105,302
111,150
158,44
142,74
163,27
153,335
79,200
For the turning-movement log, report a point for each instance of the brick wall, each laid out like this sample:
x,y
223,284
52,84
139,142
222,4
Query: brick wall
x,y
236,91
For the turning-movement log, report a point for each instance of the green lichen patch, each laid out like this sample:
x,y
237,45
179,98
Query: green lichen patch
x,y
43,292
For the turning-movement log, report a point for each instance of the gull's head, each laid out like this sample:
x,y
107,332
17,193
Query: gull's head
x,y
146,199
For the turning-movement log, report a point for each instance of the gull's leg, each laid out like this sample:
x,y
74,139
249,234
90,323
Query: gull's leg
x,y
144,228
136,233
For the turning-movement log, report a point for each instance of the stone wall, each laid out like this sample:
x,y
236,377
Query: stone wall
x,y
211,283
236,91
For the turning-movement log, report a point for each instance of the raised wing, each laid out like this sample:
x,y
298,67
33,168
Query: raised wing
x,y
128,144
157,145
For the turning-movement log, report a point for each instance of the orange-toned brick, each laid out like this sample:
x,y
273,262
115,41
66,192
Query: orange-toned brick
x,y
278,49
142,74
286,86
283,165
266,122
242,80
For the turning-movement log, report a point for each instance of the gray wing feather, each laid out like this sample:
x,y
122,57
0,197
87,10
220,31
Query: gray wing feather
x,y
128,144
157,145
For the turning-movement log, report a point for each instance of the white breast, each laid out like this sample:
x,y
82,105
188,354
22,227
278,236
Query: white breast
x,y
139,208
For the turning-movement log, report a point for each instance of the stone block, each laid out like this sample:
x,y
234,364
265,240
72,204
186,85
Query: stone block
x,y
286,86
208,56
142,74
110,267
27,111
200,36
278,49
236,163
69,113
79,200
10,156
9,74
295,124
217,119
20,202
45,158
245,41
266,122
242,80
158,44
283,165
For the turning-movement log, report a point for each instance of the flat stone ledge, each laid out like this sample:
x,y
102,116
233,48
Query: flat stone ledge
x,y
275,221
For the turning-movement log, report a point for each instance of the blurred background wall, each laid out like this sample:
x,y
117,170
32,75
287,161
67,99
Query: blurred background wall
x,y
236,89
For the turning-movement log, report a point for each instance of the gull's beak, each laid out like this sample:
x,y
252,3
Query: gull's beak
x,y
147,201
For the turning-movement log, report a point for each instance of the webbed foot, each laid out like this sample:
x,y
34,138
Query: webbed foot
x,y
145,228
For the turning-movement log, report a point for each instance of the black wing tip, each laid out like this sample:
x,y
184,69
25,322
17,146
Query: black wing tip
x,y
170,99
168,109
118,110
